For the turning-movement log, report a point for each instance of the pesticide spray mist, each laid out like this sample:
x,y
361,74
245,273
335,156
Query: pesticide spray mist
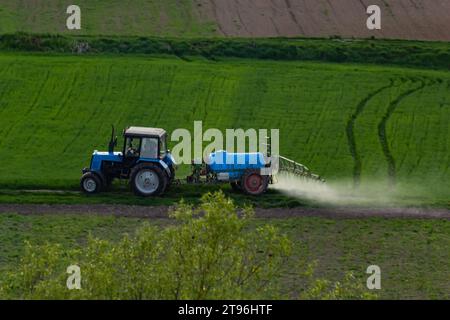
x,y
337,193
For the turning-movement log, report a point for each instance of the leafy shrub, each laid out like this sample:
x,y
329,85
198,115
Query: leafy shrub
x,y
210,252
392,52
349,288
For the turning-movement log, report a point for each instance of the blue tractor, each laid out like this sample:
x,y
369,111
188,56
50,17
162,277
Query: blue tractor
x,y
149,166
144,161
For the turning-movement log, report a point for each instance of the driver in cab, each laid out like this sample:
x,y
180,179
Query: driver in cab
x,y
132,149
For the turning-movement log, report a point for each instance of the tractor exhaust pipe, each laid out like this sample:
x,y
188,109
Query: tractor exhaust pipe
x,y
113,141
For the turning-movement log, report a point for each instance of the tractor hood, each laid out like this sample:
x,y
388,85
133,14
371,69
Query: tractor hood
x,y
106,154
99,157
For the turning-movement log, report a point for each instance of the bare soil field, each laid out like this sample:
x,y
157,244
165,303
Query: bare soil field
x,y
159,212
401,19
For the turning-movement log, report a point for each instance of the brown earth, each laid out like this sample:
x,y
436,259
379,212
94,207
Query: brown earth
x,y
401,19
162,211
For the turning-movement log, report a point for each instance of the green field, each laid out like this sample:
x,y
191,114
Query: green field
x,y
141,17
351,123
413,254
370,116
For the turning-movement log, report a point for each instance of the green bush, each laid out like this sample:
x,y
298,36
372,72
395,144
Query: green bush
x,y
404,53
210,252
349,288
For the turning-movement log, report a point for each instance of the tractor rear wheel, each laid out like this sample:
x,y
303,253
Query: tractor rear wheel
x,y
90,183
148,180
253,183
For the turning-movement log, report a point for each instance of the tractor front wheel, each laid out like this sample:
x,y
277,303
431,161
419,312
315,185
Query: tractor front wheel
x,y
148,180
253,183
90,183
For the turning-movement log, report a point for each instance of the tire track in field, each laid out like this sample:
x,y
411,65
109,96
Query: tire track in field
x,y
216,18
7,86
293,17
382,134
160,110
93,114
66,98
38,95
209,96
425,128
350,129
448,153
29,110
124,112
409,137
241,21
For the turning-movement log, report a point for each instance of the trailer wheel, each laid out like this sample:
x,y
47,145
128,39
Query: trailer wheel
x,y
253,183
236,186
148,180
90,183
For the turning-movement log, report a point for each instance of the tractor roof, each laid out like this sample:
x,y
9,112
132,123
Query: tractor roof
x,y
144,132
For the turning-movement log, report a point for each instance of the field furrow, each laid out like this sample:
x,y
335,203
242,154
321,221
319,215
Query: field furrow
x,y
382,135
351,134
24,111
419,133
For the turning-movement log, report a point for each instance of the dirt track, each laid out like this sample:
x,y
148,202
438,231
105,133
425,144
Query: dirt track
x,y
401,19
161,212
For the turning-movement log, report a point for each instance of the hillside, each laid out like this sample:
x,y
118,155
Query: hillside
x,y
401,19
350,123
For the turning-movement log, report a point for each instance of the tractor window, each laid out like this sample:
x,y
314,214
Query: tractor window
x,y
163,147
132,147
149,148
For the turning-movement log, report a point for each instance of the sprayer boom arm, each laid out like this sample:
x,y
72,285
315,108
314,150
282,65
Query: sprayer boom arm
x,y
291,167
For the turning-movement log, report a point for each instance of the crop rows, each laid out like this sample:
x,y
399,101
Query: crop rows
x,y
346,122
114,17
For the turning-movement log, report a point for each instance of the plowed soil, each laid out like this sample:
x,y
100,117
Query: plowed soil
x,y
401,19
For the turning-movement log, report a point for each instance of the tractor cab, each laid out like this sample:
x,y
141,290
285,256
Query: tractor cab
x,y
145,161
144,143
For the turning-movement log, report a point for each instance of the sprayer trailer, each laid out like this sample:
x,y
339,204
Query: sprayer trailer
x,y
149,167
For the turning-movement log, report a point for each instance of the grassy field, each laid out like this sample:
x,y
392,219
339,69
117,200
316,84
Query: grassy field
x,y
141,17
370,117
353,124
413,254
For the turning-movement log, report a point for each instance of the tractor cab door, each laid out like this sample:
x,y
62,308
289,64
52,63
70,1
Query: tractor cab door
x,y
150,148
131,151
132,147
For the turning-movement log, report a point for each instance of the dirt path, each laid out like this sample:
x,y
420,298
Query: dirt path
x,y
162,211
